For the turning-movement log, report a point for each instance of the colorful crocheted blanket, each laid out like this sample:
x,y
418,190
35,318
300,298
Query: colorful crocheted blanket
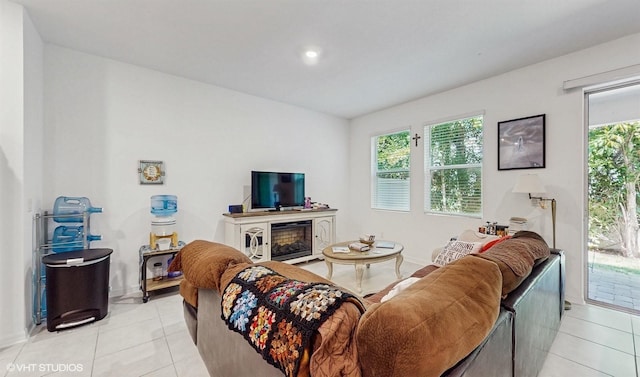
x,y
276,315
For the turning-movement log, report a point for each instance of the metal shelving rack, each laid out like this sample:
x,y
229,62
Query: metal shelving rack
x,y
43,245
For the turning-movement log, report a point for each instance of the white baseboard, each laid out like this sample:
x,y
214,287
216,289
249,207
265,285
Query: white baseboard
x,y
12,339
124,291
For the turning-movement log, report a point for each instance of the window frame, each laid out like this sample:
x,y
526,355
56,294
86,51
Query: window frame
x,y
375,203
428,168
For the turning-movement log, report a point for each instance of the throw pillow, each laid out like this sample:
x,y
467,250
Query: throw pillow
x,y
455,250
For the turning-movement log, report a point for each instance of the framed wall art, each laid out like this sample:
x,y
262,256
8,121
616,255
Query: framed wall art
x,y
151,172
521,143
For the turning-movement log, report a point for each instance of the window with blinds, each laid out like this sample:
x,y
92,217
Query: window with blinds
x,y
453,167
390,171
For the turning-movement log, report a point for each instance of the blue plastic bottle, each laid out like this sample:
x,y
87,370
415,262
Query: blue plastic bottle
x,y
43,302
172,274
70,238
164,205
40,297
65,206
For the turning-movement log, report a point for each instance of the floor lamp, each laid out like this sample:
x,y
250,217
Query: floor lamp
x,y
530,183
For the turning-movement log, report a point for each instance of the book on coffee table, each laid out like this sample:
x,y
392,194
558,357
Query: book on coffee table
x,y
359,246
340,249
385,244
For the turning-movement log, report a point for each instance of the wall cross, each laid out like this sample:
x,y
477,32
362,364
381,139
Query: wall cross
x,y
416,138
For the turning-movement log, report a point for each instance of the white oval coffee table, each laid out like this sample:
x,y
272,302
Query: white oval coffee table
x,y
360,259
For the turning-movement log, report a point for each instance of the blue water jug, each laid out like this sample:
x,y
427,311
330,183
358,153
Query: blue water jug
x,y
164,205
172,274
66,206
43,302
70,238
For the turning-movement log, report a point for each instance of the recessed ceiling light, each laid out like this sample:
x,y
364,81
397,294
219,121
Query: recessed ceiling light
x,y
311,55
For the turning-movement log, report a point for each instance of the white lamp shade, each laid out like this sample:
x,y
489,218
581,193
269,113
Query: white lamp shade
x,y
528,183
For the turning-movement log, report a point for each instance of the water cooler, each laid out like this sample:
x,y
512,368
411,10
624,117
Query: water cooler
x,y
163,244
163,234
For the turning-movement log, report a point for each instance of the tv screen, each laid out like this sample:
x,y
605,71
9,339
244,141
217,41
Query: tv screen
x,y
275,190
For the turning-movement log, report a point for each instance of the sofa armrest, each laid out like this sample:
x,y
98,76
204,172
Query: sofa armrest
x,y
492,356
537,308
563,276
191,319
225,352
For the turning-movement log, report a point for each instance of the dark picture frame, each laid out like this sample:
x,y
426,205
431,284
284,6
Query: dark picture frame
x,y
521,143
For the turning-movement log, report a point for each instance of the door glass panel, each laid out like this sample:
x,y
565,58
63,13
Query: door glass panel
x,y
613,267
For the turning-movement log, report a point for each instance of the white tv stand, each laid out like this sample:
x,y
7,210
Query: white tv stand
x,y
250,232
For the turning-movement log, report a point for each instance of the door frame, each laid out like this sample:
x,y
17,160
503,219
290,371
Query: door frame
x,y
585,223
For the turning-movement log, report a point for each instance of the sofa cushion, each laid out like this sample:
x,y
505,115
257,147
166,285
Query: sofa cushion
x,y
428,327
516,257
489,244
455,250
189,293
401,286
377,297
203,262
543,254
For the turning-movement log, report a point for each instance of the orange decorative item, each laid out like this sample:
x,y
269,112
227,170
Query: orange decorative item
x,y
488,245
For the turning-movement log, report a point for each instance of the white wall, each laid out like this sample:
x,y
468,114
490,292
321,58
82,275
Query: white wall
x,y
33,149
102,116
11,171
20,170
529,91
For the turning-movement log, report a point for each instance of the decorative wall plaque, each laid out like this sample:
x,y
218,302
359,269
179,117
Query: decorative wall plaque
x,y
151,172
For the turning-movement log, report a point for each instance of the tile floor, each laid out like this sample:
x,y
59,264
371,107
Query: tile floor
x,y
134,339
150,339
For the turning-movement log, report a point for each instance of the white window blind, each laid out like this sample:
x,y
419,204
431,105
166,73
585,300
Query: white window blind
x,y
453,167
390,175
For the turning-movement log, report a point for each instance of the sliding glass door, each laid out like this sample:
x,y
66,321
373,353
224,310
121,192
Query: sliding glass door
x,y
613,268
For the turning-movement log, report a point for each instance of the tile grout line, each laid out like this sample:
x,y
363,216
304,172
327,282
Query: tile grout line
x,y
600,324
166,341
164,332
95,351
13,361
635,346
599,344
586,366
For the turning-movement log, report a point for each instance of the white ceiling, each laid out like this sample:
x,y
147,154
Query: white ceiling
x,y
375,53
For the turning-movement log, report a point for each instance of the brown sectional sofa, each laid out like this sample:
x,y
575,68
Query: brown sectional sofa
x,y
452,322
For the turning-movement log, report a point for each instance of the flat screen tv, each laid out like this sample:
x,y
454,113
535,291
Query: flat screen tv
x,y
276,190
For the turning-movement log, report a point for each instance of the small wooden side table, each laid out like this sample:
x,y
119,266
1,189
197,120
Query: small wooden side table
x,y
148,285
